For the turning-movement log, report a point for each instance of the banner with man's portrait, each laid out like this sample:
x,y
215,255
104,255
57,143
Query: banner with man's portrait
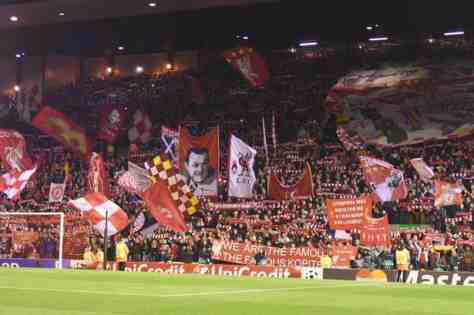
x,y
199,161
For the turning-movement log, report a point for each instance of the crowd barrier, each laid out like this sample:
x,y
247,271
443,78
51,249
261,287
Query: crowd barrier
x,y
317,273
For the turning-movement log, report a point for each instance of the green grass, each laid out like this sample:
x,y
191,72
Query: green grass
x,y
52,292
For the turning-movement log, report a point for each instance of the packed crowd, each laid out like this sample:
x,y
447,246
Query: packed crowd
x,y
300,223
301,139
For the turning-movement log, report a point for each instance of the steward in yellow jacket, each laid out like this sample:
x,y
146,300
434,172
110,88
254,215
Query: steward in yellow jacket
x,y
121,253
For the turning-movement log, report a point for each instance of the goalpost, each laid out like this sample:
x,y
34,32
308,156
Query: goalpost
x,y
61,228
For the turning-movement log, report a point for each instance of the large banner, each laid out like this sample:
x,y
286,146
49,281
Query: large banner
x,y
250,64
347,214
447,194
199,161
376,232
241,172
395,105
64,130
111,122
388,181
424,171
241,253
13,152
301,190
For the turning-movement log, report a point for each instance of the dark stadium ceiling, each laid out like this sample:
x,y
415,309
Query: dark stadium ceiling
x,y
97,27
37,12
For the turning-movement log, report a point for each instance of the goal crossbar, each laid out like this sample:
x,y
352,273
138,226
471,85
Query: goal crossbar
x,y
61,228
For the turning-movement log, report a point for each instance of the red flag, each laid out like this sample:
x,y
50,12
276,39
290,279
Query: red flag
x,y
161,168
301,190
388,181
64,130
97,177
13,152
447,194
250,64
111,122
376,232
163,208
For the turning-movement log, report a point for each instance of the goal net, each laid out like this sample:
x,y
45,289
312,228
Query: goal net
x,y
29,239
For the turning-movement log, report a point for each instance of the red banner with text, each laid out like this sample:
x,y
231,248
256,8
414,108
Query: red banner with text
x,y
241,253
347,214
376,232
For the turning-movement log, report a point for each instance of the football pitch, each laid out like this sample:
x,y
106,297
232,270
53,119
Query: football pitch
x,y
54,292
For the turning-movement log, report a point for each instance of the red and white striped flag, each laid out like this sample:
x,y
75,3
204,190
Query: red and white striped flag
x,y
95,207
13,183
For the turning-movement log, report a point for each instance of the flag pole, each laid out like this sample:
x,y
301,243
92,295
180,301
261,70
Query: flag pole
x,y
265,145
105,240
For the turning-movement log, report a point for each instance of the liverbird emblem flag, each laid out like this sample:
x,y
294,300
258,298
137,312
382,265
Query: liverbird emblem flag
x,y
241,173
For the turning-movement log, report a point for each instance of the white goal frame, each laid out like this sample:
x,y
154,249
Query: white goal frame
x,y
61,228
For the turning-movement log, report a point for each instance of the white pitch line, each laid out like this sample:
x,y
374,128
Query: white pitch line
x,y
190,294
80,291
266,290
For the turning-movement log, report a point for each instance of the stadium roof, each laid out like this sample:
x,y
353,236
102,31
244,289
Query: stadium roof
x,y
97,28
38,12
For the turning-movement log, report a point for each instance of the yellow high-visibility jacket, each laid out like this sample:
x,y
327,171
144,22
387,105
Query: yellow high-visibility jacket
x,y
403,257
121,251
